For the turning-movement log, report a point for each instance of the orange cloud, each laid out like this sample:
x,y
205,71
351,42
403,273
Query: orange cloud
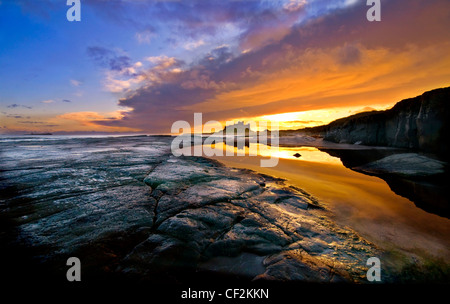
x,y
68,122
89,121
323,78
337,61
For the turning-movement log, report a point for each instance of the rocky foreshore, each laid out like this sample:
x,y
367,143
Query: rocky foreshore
x,y
128,209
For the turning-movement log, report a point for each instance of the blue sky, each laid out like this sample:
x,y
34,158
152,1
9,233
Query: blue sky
x,y
137,66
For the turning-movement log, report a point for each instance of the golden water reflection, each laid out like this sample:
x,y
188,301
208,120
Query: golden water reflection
x,y
302,154
363,202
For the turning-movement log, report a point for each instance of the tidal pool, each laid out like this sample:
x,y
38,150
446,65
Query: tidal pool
x,y
362,202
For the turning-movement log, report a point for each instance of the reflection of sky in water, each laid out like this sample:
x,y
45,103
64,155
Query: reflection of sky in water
x,y
308,154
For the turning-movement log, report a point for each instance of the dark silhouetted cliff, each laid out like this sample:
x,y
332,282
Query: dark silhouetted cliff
x,y
420,123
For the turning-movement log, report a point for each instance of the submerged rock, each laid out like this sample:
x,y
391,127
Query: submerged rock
x,y
406,164
420,178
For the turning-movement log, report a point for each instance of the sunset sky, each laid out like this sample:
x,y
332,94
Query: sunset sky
x,y
138,66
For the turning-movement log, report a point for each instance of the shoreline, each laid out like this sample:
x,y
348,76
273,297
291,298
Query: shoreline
x,y
129,209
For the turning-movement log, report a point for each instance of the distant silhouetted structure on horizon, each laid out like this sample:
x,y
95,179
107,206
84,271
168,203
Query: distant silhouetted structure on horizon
x,y
238,129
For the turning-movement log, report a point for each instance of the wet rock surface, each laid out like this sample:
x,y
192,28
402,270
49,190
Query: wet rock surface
x,y
128,209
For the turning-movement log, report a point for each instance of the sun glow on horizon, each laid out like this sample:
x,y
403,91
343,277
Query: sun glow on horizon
x,y
311,118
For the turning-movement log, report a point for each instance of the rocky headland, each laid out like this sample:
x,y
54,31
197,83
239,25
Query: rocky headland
x,y
420,123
